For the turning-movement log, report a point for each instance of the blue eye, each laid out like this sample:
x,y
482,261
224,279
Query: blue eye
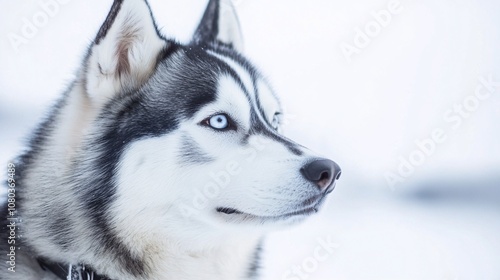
x,y
219,122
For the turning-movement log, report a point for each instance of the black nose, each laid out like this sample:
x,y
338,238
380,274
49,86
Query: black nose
x,y
322,172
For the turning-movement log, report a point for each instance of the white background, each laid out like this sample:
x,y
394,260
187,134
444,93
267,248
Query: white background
x,y
441,222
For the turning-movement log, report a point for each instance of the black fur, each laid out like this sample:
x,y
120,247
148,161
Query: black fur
x,y
208,29
110,19
253,271
59,229
191,153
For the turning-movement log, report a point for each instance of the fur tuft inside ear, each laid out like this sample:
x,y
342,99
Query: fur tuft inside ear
x,y
125,51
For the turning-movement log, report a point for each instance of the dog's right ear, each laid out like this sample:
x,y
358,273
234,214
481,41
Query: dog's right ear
x,y
220,24
125,51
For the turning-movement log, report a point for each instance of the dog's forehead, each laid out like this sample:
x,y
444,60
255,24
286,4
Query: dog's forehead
x,y
184,81
254,86
189,78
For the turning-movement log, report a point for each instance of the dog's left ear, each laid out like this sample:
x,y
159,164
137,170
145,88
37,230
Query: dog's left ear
x,y
125,51
220,24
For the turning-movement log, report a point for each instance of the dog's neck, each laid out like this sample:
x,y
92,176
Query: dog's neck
x,y
197,250
230,261
221,258
236,259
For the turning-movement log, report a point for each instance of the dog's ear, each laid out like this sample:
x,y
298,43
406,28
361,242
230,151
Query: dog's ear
x,y
220,23
125,50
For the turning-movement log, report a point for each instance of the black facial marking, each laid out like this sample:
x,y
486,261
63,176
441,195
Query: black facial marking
x,y
261,129
244,140
231,72
191,153
267,129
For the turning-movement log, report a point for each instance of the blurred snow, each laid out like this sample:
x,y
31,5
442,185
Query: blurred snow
x,y
442,222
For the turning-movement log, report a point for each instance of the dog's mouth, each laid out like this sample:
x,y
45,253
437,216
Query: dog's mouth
x,y
311,208
236,212
228,211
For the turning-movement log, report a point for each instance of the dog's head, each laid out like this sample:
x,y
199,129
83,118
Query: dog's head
x,y
192,132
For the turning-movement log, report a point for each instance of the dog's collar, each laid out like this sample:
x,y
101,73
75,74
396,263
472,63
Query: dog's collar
x,y
70,272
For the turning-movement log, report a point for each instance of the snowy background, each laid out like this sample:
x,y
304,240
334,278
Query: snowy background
x,y
368,110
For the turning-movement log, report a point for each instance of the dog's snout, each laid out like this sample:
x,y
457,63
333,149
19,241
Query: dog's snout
x,y
322,172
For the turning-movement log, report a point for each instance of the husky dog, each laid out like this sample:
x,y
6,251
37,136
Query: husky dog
x,y
161,161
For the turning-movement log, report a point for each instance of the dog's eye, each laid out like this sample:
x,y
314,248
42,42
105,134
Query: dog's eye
x,y
219,122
